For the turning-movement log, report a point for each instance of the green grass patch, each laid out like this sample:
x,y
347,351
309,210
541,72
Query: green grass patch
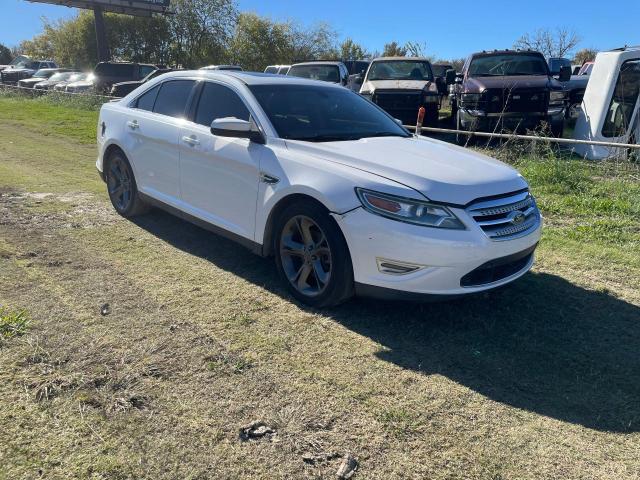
x,y
13,323
42,115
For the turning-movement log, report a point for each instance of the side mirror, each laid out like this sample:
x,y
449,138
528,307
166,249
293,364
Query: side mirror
x,y
459,78
441,85
450,77
565,74
236,128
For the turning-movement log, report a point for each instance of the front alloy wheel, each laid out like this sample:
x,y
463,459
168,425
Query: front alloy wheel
x,y
312,255
305,255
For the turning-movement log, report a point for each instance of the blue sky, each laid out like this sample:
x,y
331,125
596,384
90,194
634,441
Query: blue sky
x,y
453,30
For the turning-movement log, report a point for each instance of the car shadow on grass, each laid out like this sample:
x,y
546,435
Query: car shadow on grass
x,y
542,344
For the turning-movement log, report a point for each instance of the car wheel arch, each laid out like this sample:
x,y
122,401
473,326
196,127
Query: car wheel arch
x,y
274,213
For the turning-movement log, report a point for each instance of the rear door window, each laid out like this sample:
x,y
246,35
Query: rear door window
x,y
173,97
218,101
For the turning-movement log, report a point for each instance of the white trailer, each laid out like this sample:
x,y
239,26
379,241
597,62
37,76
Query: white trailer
x,y
610,108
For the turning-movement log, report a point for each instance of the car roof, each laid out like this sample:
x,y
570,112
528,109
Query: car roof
x,y
388,59
249,78
319,62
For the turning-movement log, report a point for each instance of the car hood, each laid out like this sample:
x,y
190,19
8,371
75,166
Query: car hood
x,y
20,70
371,85
34,80
478,84
133,82
440,171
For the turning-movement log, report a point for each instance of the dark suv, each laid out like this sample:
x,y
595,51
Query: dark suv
x,y
108,73
508,90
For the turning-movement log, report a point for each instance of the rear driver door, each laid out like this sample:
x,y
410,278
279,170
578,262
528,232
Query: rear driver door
x,y
153,126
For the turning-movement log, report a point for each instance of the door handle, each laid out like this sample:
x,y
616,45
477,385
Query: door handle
x,y
192,140
133,124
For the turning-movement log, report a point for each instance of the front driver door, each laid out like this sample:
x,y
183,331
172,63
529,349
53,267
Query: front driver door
x,y
219,175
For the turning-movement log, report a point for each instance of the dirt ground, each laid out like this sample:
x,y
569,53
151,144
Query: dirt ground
x,y
151,343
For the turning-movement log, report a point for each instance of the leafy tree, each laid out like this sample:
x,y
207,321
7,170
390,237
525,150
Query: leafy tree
x,y
258,42
350,50
5,55
585,55
200,31
393,49
316,43
558,43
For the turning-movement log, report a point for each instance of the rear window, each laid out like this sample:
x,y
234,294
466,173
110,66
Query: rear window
x,y
172,98
147,100
624,100
326,73
115,69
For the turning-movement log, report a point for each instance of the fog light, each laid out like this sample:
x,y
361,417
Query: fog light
x,y
393,267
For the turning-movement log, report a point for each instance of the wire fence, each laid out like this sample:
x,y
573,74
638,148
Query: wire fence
x,y
532,138
97,99
35,92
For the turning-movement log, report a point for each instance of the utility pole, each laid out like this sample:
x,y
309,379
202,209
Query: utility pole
x,y
101,35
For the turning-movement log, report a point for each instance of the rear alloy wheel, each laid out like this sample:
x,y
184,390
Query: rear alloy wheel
x,y
122,188
312,256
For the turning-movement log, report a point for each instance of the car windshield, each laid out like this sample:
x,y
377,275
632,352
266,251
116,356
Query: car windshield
x,y
77,77
401,70
326,73
555,64
43,74
323,114
507,64
59,77
440,70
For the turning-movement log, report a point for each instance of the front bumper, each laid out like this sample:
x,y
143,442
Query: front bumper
x,y
473,120
448,258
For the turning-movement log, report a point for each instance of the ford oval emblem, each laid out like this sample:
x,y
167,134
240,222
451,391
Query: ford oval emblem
x,y
518,218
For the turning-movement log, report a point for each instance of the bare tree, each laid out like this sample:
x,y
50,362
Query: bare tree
x,y
550,43
394,50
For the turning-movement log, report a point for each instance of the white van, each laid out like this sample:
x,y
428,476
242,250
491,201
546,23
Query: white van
x,y
610,105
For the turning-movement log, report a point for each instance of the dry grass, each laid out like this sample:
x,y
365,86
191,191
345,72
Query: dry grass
x,y
539,380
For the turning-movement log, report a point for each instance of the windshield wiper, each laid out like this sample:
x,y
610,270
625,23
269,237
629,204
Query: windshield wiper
x,y
385,134
325,138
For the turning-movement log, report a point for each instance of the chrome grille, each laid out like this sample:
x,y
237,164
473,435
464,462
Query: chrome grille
x,y
508,217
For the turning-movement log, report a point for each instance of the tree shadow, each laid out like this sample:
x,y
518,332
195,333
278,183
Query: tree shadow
x,y
542,344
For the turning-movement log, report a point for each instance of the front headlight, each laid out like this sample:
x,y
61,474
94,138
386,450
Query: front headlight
x,y
557,96
408,210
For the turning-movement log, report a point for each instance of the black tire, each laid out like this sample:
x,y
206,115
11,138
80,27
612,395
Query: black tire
x,y
122,187
431,117
323,259
557,129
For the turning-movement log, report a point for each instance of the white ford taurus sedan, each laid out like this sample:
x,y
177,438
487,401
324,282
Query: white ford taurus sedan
x,y
346,200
